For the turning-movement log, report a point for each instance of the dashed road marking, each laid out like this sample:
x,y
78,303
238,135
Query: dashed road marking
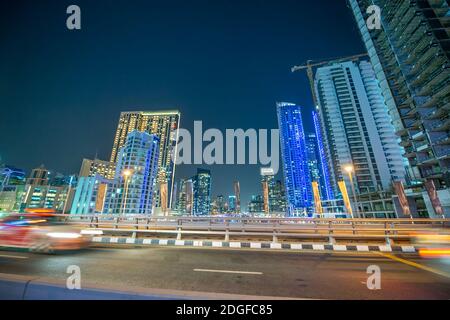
x,y
228,271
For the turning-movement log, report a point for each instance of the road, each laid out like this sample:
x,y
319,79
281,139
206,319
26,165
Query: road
x,y
245,272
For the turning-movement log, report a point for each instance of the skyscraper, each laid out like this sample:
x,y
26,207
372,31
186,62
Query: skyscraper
x,y
136,171
162,124
202,192
91,168
357,126
232,204
294,156
268,188
326,188
411,58
237,194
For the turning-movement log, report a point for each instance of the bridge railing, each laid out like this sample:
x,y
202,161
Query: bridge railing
x,y
386,230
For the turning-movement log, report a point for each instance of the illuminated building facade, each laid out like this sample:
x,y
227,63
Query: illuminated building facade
x,y
411,57
136,172
295,162
91,168
326,189
162,124
237,194
202,192
90,194
357,127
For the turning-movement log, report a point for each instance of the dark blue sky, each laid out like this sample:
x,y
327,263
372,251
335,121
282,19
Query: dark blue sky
x,y
223,62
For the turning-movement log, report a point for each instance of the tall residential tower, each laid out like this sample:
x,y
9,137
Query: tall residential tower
x,y
162,124
358,128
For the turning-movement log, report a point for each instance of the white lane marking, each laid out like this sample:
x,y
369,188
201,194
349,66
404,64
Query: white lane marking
x,y
12,257
228,271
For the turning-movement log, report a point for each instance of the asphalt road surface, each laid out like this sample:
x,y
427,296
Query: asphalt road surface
x,y
243,272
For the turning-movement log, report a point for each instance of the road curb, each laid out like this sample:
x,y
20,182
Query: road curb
x,y
255,245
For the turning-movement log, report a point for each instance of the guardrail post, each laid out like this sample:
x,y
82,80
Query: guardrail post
x,y
179,228
331,239
227,231
274,233
389,241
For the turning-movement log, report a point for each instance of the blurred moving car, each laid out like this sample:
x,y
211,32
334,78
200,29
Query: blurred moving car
x,y
41,232
433,244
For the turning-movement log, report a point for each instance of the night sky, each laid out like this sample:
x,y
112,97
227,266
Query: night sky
x,y
223,62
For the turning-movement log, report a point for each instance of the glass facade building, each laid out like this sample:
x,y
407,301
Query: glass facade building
x,y
162,124
410,55
202,192
136,171
295,161
326,189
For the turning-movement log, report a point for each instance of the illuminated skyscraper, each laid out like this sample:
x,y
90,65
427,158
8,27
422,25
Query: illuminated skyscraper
x,y
136,171
202,192
326,188
91,168
294,155
237,194
162,124
232,204
410,53
268,189
358,128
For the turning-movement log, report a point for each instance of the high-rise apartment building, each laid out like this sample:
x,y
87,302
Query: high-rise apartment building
x,y
411,57
91,168
162,124
135,179
294,156
90,195
202,192
358,129
39,177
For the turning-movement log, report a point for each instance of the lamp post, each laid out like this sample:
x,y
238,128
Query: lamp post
x,y
127,173
350,169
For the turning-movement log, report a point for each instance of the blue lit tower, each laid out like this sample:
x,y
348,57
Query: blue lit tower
x,y
326,188
294,155
136,172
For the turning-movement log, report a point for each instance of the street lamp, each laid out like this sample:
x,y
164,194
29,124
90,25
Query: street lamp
x,y
350,170
127,173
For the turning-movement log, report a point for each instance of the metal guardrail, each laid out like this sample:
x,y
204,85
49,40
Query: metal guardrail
x,y
386,230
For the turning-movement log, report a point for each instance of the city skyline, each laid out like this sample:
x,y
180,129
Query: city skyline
x,y
140,75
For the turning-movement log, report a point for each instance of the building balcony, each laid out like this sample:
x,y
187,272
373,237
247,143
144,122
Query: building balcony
x,y
442,151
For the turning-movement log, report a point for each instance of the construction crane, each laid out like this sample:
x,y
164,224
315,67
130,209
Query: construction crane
x,y
310,64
